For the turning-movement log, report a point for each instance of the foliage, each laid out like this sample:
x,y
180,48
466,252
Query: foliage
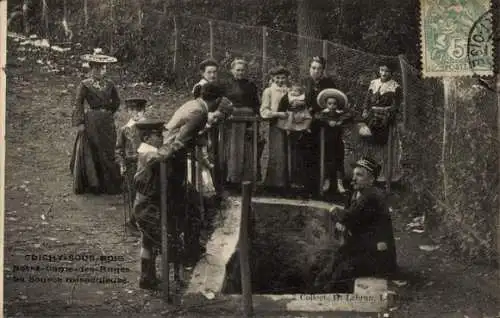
x,y
453,179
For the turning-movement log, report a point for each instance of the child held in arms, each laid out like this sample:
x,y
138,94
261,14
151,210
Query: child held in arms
x,y
334,116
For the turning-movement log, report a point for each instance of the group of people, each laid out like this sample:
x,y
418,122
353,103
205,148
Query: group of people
x,y
291,114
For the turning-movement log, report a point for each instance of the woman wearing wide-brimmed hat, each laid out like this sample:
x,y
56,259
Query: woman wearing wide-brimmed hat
x,y
93,162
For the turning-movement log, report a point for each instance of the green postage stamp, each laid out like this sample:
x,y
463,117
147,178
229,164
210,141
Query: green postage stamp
x,y
457,38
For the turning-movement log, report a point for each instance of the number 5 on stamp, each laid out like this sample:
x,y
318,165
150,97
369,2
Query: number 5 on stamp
x,y
457,38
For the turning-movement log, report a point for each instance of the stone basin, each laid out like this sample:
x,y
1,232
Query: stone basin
x,y
286,236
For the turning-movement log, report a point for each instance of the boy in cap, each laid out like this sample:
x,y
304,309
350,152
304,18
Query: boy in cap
x,y
369,248
127,143
147,200
333,116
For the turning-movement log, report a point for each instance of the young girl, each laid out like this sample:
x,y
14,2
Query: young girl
x,y
334,115
274,155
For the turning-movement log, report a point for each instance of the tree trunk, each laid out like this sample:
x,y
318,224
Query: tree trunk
x,y
309,14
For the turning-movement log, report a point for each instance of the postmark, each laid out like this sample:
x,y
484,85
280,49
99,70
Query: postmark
x,y
480,45
446,26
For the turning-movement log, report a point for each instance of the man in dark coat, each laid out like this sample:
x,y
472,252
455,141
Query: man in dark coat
x,y
179,135
369,248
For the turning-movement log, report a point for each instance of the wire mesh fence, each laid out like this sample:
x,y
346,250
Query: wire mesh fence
x,y
152,43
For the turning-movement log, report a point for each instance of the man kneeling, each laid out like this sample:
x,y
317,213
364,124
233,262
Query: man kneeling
x,y
369,248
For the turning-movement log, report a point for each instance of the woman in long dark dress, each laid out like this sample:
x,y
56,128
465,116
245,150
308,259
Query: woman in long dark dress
x,y
310,146
239,151
381,109
93,162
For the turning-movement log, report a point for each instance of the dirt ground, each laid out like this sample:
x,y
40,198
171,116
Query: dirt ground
x,y
44,217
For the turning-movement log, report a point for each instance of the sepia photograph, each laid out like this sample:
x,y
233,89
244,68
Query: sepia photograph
x,y
250,158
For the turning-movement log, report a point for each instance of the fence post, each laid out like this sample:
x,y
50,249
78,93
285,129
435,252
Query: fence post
x,y
264,55
176,46
244,249
211,26
325,51
322,161
255,136
45,16
404,82
165,273
3,99
86,13
112,16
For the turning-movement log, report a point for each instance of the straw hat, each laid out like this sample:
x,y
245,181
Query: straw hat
x,y
98,59
331,92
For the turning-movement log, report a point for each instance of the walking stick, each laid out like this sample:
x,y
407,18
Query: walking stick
x,y
164,232
322,160
125,205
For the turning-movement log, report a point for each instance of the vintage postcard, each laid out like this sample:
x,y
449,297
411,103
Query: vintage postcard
x,y
457,38
249,158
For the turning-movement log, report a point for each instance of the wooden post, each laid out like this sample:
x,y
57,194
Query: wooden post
x,y
199,181
388,169
404,82
86,13
113,24
165,273
211,26
447,94
289,159
3,87
498,153
325,52
244,249
176,46
264,56
220,154
45,16
255,136
322,161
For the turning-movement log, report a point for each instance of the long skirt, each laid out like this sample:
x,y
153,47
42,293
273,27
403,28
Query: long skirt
x,y
357,147
93,161
274,159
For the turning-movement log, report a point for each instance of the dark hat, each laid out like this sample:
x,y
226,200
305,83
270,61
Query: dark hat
x,y
279,70
208,62
136,103
211,91
94,59
150,125
370,165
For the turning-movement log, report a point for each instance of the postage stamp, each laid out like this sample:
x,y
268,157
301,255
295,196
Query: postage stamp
x,y
456,38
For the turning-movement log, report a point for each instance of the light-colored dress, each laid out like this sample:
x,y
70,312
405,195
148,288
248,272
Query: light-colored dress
x,y
273,162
